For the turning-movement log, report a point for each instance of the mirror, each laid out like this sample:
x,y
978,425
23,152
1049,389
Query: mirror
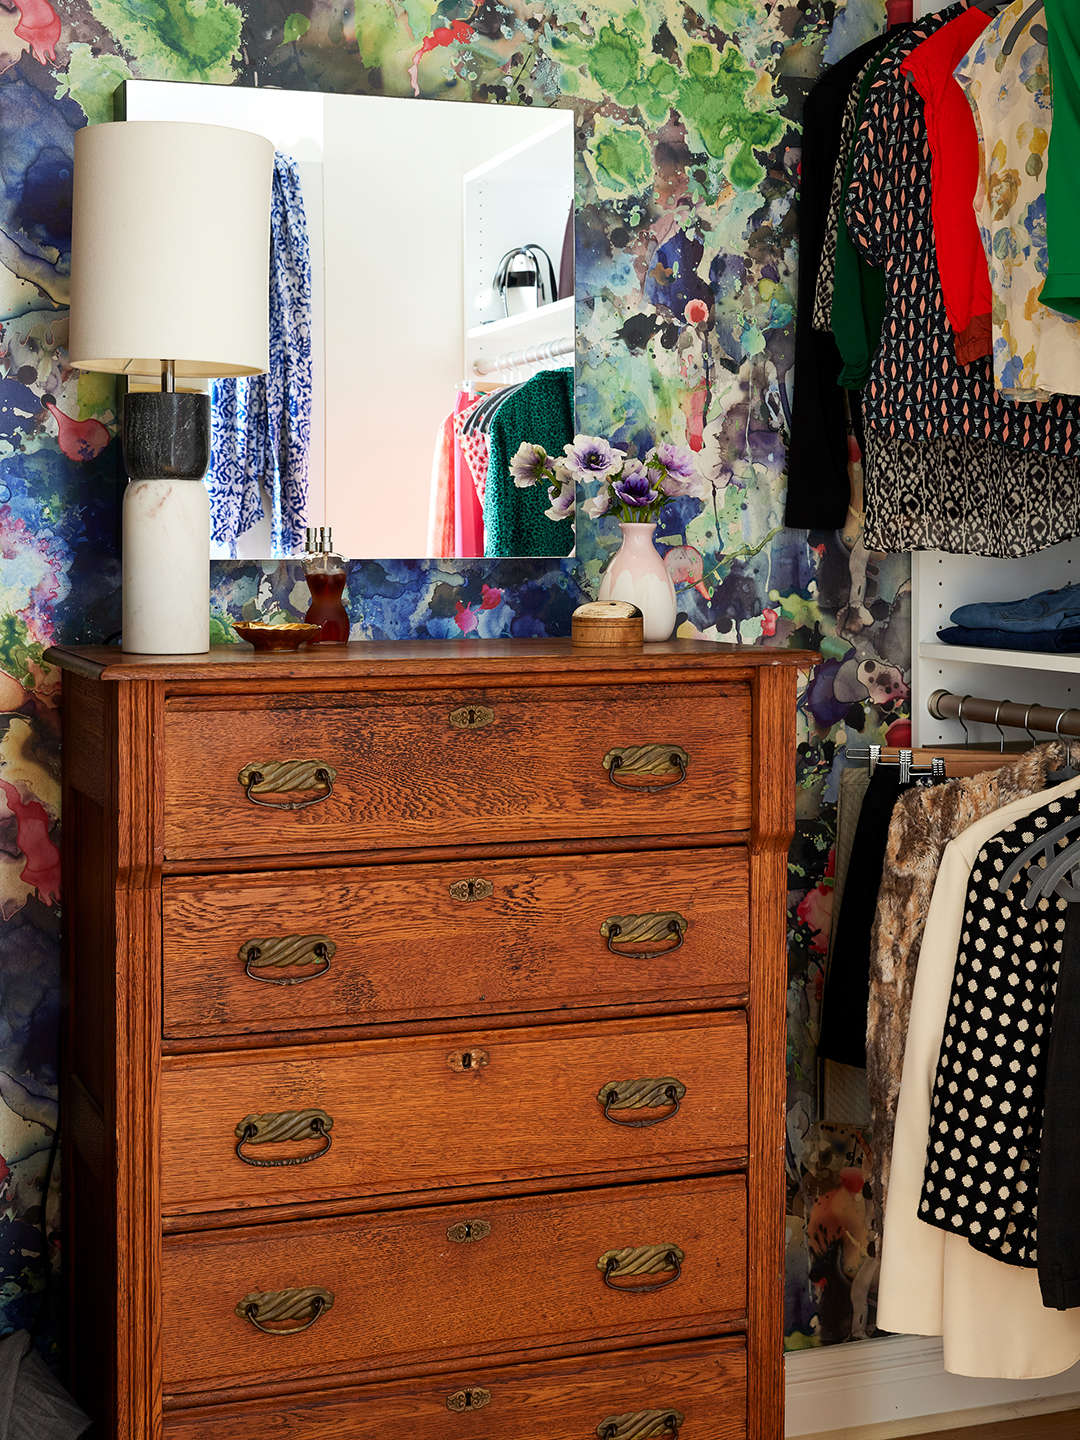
x,y
410,206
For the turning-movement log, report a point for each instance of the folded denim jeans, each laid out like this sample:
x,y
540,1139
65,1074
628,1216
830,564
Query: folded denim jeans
x,y
1049,610
1048,641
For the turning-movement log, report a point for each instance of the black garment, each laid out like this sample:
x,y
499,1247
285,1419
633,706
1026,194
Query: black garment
x,y
817,455
846,996
986,1115
1059,1163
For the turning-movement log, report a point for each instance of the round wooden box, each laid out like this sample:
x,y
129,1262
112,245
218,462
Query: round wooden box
x,y
607,623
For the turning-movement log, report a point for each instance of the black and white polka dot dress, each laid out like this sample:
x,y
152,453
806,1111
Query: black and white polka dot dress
x,y
982,1161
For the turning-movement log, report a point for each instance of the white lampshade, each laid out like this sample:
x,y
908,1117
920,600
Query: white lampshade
x,y
170,249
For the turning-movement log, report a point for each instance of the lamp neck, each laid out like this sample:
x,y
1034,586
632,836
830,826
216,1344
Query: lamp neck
x,y
168,376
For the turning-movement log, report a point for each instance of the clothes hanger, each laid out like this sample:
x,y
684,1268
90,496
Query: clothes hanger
x,y
1018,29
1070,771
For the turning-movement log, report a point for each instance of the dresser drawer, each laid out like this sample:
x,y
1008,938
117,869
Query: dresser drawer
x,y
405,942
436,1112
411,1286
704,1383
420,768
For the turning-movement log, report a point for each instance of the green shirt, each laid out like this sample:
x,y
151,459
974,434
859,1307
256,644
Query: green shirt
x,y
1061,288
542,412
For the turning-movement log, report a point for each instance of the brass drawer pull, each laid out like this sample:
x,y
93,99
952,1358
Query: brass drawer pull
x,y
633,929
646,760
641,1095
276,952
276,1126
640,1260
640,1425
279,777
474,1398
466,1231
471,717
271,1307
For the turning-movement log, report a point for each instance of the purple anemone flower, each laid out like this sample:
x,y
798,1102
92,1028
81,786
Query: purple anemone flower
x,y
634,486
529,465
674,468
591,457
562,501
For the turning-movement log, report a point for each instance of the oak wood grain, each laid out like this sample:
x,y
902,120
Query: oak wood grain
x,y
774,822
416,854
414,657
410,1115
136,1108
405,774
407,949
403,1291
278,1214
560,1399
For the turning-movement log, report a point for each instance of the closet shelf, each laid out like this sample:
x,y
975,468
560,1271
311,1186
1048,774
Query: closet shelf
x,y
1016,659
527,318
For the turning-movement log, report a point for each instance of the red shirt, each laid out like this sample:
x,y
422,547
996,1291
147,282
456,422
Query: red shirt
x,y
954,154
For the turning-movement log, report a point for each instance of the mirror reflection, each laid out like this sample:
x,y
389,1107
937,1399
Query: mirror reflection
x,y
441,239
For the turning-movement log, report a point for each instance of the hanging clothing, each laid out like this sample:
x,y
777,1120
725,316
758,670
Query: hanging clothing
x,y
455,518
923,822
917,389
954,164
474,447
849,124
857,309
1006,75
819,487
468,510
966,496
260,428
846,993
440,536
982,1161
1061,289
542,412
1059,1161
991,1316
853,784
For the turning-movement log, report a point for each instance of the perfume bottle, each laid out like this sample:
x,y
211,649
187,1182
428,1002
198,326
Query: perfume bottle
x,y
325,574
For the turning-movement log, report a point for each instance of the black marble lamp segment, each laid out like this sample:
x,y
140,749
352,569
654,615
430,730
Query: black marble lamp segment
x,y
166,435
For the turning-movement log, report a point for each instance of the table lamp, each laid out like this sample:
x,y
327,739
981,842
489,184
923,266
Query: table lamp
x,y
170,252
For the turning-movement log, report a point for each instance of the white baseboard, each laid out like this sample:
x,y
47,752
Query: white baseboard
x,y
876,1389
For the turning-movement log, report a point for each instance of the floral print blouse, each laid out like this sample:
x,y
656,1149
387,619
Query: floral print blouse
x,y
1006,74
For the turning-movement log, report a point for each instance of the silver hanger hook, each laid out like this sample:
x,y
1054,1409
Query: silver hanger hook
x,y
997,727
960,717
1064,739
1030,736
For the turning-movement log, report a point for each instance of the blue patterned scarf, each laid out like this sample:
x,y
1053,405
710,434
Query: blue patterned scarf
x,y
261,426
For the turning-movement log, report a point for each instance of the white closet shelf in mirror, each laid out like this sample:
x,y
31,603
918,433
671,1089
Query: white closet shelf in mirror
x,y
1013,659
559,310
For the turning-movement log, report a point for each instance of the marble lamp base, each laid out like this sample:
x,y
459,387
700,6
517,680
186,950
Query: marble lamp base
x,y
166,568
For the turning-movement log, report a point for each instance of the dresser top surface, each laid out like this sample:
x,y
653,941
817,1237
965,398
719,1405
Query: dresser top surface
x,y
366,658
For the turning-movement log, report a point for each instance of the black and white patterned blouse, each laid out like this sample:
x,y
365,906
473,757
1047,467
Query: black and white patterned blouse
x,y
916,387
982,1159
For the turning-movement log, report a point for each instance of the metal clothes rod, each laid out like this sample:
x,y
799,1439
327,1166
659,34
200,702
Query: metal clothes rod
x,y
943,705
533,355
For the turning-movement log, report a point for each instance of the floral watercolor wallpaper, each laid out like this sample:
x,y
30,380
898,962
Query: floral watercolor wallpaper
x,y
688,134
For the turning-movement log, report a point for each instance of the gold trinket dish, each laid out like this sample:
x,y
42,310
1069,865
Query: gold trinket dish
x,y
277,637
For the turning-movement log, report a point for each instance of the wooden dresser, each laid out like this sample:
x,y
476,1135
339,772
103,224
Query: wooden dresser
x,y
424,1067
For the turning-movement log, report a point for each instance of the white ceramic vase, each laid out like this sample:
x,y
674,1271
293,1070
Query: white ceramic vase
x,y
637,573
